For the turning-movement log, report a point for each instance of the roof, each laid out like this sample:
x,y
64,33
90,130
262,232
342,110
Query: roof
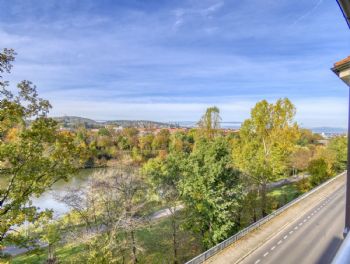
x,y
342,62
342,70
345,8
342,65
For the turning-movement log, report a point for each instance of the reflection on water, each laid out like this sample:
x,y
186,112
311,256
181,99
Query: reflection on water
x,y
48,201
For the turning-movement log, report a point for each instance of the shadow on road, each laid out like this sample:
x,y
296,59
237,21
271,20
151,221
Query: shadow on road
x,y
330,251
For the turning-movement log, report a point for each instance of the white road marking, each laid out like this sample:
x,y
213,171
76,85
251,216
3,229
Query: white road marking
x,y
279,242
285,237
291,232
308,217
300,224
296,228
266,254
256,262
273,247
305,220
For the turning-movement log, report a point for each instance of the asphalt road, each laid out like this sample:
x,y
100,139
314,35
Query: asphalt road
x,y
313,238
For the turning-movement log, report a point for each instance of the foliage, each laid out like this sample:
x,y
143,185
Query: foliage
x,y
33,153
339,146
265,143
300,158
211,190
307,137
318,170
165,175
210,122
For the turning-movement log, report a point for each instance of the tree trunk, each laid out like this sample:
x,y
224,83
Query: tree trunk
x,y
174,239
51,255
134,257
255,218
263,199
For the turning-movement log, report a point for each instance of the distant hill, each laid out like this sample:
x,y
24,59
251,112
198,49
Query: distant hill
x,y
75,121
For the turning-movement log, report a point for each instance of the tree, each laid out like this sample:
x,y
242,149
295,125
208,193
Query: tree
x,y
161,140
165,175
116,199
338,145
300,158
328,155
131,137
318,170
211,191
210,122
145,145
265,143
181,142
104,132
52,235
33,153
307,137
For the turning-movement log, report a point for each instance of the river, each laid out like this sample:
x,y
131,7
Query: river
x,y
48,199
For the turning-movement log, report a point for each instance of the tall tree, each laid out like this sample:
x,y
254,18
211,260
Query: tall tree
x,y
300,158
211,191
165,175
265,143
339,146
34,154
210,122
318,170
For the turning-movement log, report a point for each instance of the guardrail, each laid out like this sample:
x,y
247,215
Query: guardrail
x,y
229,241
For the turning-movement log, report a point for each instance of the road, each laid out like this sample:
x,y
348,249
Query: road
x,y
313,238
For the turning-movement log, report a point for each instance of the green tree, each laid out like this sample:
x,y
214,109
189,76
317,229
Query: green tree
x,y
165,175
318,170
307,137
104,132
52,235
161,140
210,122
265,143
34,154
145,145
339,146
211,191
181,142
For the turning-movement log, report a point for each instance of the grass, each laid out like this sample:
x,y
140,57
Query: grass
x,y
63,253
283,195
154,241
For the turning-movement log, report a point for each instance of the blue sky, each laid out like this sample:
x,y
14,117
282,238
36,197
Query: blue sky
x,y
169,60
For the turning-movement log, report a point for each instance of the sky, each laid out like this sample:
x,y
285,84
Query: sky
x,y
170,60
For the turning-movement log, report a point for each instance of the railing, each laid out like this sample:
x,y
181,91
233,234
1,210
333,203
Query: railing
x,y
219,247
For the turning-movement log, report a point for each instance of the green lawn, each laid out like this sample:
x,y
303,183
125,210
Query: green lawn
x,y
283,195
63,253
154,240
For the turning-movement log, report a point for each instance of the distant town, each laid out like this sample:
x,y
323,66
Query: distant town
x,y
146,126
